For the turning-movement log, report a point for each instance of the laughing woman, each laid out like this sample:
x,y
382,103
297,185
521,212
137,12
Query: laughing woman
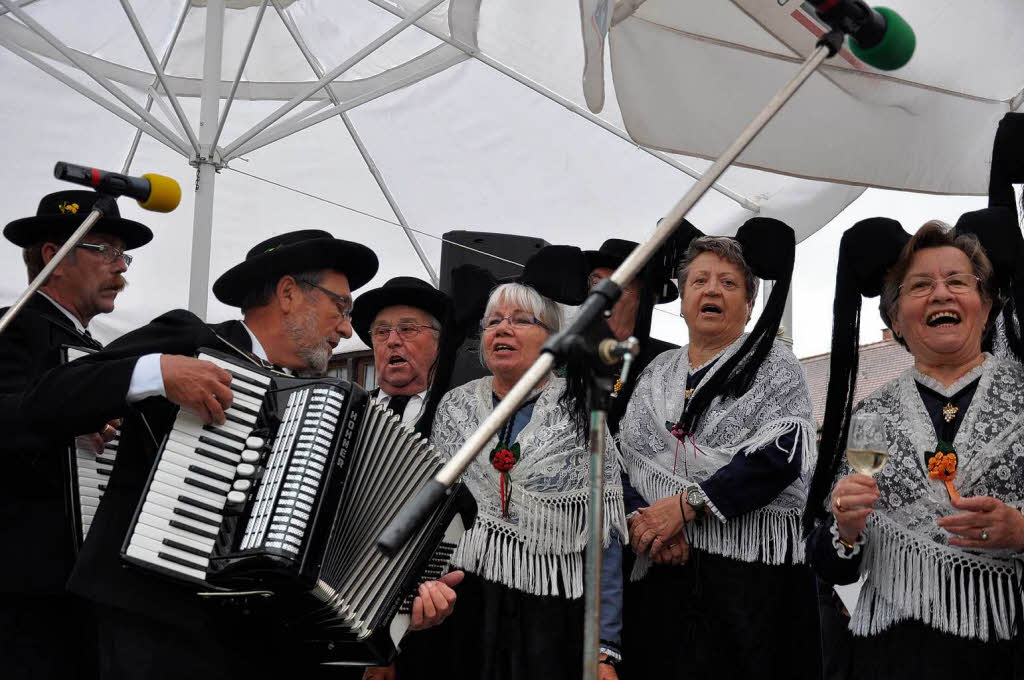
x,y
520,608
938,533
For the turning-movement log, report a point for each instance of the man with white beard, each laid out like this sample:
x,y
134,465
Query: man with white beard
x,y
294,291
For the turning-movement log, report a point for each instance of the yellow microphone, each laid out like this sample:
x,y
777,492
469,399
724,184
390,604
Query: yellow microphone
x,y
153,192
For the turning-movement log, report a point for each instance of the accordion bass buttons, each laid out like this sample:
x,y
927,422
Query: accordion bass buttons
x,y
241,485
251,457
244,470
236,497
254,443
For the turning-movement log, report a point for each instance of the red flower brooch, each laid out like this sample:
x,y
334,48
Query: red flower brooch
x,y
504,458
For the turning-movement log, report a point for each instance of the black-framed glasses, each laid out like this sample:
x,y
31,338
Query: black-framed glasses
x,y
406,331
343,304
923,286
519,320
108,254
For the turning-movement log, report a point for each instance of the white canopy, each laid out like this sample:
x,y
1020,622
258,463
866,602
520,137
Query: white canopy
x,y
472,117
925,127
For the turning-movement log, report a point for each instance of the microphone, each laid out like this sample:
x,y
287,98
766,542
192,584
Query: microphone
x,y
153,192
610,351
878,36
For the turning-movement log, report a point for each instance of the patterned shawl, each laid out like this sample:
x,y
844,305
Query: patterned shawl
x,y
912,571
538,549
658,465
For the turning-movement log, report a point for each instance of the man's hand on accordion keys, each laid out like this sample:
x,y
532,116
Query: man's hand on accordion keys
x,y
435,602
197,386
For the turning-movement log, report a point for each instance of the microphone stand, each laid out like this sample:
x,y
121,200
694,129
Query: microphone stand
x,y
100,207
604,295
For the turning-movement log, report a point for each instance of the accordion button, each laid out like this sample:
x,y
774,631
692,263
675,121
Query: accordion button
x,y
245,470
236,497
250,457
254,443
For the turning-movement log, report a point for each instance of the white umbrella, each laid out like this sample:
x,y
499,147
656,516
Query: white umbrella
x,y
469,117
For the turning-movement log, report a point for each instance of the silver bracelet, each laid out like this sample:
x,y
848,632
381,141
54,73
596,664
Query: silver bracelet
x,y
842,549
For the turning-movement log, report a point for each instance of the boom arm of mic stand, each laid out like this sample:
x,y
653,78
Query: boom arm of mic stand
x,y
413,514
37,282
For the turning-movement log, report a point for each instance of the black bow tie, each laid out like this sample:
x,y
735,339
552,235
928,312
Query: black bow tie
x,y
397,404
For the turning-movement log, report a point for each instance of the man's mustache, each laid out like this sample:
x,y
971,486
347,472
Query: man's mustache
x,y
117,284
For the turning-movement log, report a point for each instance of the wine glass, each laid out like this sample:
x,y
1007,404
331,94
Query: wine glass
x,y
866,448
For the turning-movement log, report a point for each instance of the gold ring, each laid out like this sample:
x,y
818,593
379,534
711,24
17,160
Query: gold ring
x,y
839,503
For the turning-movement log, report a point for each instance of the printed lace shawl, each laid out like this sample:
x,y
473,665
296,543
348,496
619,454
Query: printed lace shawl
x,y
912,572
658,465
539,548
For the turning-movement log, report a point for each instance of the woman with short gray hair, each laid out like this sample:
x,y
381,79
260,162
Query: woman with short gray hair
x,y
715,524
520,607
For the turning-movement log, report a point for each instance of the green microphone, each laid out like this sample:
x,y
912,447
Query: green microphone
x,y
878,36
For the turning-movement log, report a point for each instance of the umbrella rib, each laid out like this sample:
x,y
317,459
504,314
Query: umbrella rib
x,y
159,71
238,76
20,3
367,158
330,76
105,83
149,99
142,125
571,106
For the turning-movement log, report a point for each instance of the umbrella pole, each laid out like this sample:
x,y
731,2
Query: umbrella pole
x,y
415,512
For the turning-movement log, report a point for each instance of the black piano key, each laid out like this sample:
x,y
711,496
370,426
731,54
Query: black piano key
x,y
213,455
101,487
227,434
192,530
195,517
235,375
170,543
200,484
244,409
210,474
241,389
220,445
178,560
201,505
235,419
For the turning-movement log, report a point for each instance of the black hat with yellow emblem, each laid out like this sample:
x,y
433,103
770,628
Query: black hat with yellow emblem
x,y
62,212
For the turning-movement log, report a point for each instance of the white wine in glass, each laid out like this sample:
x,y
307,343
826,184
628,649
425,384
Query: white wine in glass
x,y
866,447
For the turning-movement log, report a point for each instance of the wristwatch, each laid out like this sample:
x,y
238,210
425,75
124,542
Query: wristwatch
x,y
696,499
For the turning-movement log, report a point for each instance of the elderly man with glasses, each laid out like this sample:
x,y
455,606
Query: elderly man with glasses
x,y
37,616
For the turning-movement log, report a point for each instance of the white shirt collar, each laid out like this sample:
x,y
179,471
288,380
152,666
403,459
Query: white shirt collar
x,y
74,319
257,348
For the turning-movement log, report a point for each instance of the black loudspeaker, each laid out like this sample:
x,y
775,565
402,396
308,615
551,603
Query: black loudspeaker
x,y
476,248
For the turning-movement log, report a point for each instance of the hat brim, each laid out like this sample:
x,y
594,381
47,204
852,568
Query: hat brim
x,y
29,231
369,304
595,259
354,260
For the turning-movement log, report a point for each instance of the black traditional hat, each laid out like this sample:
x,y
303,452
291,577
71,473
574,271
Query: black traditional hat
x,y
401,290
291,253
769,249
1007,160
867,251
614,252
61,212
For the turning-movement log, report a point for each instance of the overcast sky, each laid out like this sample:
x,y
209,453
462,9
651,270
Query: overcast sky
x,y
814,279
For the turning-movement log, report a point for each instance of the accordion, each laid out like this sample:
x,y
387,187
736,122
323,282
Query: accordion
x,y
87,471
286,500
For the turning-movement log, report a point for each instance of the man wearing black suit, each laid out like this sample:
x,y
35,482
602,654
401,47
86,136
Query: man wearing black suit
x,y
294,291
44,631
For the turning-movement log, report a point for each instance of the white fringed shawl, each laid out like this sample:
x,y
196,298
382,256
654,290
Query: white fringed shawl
x,y
659,465
912,571
541,544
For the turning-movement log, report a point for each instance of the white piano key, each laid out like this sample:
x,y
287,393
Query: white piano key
x,y
164,525
252,376
167,464
158,534
176,482
178,491
185,457
157,498
150,557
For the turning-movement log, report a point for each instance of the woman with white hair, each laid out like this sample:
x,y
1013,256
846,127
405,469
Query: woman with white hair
x,y
520,607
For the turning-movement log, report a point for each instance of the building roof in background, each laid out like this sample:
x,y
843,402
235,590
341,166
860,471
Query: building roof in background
x,y
879,363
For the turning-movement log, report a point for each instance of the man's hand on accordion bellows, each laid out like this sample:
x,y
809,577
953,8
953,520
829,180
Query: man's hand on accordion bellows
x,y
198,386
380,673
435,602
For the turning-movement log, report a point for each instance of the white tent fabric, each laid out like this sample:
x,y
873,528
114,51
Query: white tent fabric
x,y
485,129
926,127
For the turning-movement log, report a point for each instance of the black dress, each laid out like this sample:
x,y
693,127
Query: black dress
x,y
45,632
149,627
